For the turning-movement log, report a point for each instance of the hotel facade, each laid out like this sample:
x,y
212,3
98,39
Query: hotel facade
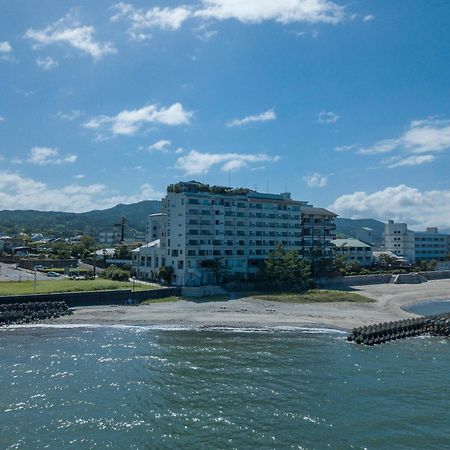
x,y
202,226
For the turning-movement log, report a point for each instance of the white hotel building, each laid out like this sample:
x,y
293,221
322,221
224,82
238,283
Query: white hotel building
x,y
200,224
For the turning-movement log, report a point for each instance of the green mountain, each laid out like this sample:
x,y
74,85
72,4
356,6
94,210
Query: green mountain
x,y
350,227
71,224
92,222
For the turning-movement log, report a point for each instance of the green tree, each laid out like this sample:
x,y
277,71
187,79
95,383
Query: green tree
x,y
217,268
385,260
165,273
122,252
287,268
88,242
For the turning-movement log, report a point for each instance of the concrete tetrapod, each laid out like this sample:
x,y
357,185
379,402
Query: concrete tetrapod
x,y
438,325
29,312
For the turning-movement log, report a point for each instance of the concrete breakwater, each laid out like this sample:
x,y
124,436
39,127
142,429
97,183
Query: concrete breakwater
x,y
438,325
30,312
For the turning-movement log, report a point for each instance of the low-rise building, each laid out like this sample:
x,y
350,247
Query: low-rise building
x,y
354,250
431,245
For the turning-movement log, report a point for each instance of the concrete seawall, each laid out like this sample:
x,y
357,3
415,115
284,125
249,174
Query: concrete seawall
x,y
363,280
113,297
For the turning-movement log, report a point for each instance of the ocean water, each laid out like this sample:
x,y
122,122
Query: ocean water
x,y
430,307
154,388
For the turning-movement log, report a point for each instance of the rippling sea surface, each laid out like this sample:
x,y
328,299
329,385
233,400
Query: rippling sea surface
x,y
147,387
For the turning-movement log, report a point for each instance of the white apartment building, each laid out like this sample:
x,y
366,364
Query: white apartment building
x,y
203,224
400,241
416,245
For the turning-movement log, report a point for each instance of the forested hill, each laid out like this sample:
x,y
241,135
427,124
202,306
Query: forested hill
x,y
349,227
68,224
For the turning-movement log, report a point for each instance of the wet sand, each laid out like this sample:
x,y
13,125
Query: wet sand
x,y
253,312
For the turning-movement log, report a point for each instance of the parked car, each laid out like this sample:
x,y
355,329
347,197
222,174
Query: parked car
x,y
52,274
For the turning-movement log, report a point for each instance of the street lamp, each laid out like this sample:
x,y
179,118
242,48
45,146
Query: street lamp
x,y
34,268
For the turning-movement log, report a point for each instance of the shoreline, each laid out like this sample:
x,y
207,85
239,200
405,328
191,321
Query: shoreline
x,y
249,312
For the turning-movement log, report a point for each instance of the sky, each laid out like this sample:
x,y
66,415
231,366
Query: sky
x,y
343,104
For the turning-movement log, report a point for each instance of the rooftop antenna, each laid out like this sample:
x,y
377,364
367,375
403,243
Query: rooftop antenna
x,y
256,187
229,178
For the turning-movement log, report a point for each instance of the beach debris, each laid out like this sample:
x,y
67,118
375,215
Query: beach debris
x,y
438,325
30,312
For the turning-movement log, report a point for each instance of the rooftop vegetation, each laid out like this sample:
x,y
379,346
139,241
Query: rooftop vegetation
x,y
195,186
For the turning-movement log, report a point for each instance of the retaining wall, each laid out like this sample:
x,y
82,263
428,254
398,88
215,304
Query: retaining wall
x,y
56,263
436,275
361,280
203,291
91,298
354,280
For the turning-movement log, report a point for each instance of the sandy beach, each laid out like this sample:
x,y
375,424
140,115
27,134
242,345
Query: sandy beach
x,y
253,312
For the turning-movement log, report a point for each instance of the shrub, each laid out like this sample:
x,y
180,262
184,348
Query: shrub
x,y
115,273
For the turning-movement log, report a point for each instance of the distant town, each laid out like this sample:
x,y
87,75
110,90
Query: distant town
x,y
205,235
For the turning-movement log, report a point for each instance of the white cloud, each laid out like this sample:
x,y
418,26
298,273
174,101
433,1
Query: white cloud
x,y
314,34
142,20
368,18
2,119
47,63
282,11
72,115
5,47
69,31
129,122
204,33
43,156
422,136
401,203
263,117
19,192
414,160
161,145
315,180
345,148
385,146
6,51
197,163
250,11
79,176
327,118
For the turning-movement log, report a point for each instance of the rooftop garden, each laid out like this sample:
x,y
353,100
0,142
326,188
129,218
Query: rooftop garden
x,y
195,186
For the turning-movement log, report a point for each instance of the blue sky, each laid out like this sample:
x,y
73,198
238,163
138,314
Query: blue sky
x,y
344,104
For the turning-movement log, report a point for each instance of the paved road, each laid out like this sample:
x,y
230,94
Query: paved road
x,y
8,272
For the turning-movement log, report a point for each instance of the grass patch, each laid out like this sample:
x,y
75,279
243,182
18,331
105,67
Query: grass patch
x,y
315,296
172,298
51,286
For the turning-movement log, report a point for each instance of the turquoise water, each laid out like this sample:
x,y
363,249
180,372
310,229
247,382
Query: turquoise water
x,y
430,308
146,388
